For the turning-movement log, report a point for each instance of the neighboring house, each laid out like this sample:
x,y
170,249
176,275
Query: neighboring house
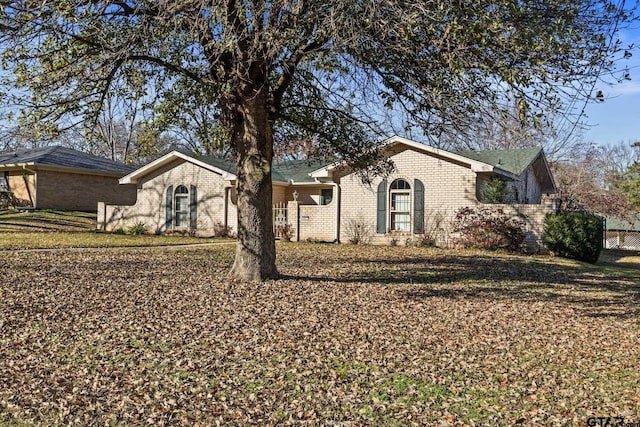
x,y
61,178
324,201
622,233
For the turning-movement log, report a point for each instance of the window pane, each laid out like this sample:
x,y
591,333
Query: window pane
x,y
181,219
400,202
181,204
182,211
400,221
400,184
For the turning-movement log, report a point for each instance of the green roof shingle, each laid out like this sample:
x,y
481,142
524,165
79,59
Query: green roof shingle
x,y
630,224
514,161
281,170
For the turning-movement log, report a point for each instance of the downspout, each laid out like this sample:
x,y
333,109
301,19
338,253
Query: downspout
x,y
32,198
226,207
336,193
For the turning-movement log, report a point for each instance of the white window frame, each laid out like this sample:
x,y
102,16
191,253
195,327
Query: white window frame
x,y
181,195
393,213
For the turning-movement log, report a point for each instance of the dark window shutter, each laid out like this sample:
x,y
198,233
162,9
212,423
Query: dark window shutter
x,y
193,207
381,222
169,208
418,207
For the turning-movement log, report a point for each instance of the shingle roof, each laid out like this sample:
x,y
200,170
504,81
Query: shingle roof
x,y
224,164
281,170
58,156
296,170
513,160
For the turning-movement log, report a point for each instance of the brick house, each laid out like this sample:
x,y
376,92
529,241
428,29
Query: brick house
x,y
61,178
324,200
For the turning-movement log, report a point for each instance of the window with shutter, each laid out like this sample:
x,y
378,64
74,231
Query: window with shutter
x,y
400,206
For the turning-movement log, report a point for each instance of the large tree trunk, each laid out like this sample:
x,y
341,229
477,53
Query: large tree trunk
x,y
256,250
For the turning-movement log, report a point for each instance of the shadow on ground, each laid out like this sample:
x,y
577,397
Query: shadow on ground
x,y
602,290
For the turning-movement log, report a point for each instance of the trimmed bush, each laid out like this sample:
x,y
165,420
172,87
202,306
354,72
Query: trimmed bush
x,y
575,235
488,228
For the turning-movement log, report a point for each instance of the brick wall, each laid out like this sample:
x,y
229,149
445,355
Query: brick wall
x,y
533,217
150,206
448,186
318,222
74,191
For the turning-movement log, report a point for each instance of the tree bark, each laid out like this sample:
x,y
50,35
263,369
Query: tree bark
x,y
256,250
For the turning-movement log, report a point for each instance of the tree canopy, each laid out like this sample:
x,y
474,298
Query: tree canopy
x,y
288,70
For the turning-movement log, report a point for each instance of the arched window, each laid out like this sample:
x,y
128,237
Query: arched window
x,y
400,206
181,197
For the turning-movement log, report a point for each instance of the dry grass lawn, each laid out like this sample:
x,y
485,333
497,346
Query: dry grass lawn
x,y
349,335
42,229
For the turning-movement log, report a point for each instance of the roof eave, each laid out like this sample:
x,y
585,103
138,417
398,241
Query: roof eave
x,y
17,165
54,168
136,175
475,165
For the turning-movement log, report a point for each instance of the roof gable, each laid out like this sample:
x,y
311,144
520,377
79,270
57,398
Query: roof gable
x,y
289,171
392,143
62,157
509,163
138,174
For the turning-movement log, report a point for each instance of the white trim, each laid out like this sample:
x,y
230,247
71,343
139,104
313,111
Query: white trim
x,y
134,176
309,184
475,165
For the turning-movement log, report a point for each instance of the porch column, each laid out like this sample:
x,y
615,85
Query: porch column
x,y
337,202
293,219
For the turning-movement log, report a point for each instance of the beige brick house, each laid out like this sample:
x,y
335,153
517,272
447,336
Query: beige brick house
x,y
324,201
61,178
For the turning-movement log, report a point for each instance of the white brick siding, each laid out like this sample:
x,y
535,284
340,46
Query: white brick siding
x,y
150,207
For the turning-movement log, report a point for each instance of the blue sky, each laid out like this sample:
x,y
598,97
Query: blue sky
x,y
618,117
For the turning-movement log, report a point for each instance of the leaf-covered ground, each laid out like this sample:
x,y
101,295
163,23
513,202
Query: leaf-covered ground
x,y
349,336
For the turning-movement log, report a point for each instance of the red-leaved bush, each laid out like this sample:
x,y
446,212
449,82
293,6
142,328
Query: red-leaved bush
x,y
488,228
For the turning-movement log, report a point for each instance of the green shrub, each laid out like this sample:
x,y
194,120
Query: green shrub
x,y
137,229
493,191
575,235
